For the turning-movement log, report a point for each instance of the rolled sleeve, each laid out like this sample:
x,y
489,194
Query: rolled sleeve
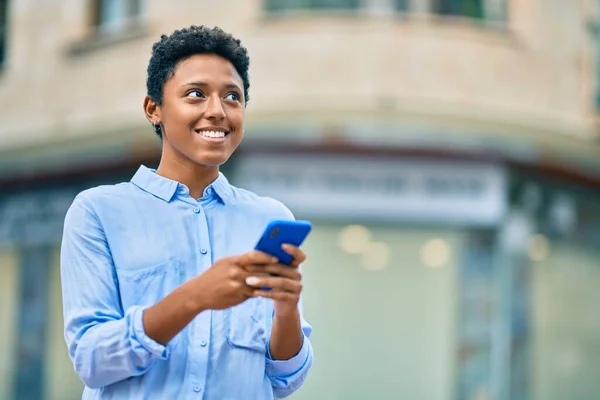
x,y
287,376
276,368
151,346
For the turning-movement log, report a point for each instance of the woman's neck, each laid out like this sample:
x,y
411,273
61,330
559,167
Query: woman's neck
x,y
195,176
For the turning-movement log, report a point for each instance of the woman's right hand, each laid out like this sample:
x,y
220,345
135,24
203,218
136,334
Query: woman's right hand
x,y
223,285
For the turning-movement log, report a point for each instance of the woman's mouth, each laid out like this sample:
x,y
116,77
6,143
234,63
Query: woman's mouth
x,y
213,136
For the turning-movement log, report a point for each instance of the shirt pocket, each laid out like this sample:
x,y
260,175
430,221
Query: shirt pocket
x,y
147,286
247,326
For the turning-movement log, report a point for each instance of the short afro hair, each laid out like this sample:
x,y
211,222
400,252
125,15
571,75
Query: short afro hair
x,y
187,42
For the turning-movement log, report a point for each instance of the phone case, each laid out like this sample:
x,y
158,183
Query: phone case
x,y
280,232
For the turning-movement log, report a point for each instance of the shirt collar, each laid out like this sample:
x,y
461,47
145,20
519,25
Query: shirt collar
x,y
220,187
165,188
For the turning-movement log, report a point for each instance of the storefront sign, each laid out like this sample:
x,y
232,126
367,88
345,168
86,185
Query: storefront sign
x,y
33,218
349,188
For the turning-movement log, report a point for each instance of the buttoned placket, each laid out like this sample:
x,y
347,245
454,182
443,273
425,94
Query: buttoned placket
x,y
200,326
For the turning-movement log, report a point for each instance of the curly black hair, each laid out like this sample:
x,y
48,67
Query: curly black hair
x,y
184,43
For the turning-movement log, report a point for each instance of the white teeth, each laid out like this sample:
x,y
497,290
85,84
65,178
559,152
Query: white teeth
x,y
213,134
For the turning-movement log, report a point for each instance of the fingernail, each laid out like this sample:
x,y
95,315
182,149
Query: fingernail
x,y
252,281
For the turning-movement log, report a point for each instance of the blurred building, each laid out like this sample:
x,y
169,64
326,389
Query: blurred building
x,y
446,151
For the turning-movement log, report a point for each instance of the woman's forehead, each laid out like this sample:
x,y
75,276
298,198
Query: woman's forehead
x,y
209,69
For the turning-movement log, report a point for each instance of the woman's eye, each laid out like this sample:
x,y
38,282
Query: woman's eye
x,y
233,96
195,93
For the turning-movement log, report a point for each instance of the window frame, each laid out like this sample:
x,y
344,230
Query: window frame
x,y
131,14
4,23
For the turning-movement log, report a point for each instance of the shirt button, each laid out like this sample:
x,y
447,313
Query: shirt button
x,y
196,210
209,191
197,388
203,343
203,251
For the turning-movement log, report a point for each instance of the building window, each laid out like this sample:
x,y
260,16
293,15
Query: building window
x,y
401,5
115,15
489,10
3,29
595,32
466,8
285,5
376,6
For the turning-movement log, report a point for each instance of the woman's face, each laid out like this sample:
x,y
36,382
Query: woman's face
x,y
202,115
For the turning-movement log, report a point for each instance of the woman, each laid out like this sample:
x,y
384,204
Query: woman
x,y
161,288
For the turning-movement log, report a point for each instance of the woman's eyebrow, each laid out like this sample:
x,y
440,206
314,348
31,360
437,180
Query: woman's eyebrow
x,y
203,84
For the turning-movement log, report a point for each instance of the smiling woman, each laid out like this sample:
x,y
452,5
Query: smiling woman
x,y
202,113
161,286
197,102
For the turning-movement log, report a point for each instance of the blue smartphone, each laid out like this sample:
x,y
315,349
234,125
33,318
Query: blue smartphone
x,y
282,232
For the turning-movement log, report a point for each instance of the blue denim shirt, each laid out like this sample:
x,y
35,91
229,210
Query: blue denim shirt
x,y
127,246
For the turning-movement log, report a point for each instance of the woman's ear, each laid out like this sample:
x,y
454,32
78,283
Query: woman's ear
x,y
152,110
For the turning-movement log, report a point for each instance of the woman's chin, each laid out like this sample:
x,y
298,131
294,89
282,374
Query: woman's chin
x,y
211,159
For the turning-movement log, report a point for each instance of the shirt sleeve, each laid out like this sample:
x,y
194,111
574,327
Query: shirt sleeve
x,y
106,344
288,375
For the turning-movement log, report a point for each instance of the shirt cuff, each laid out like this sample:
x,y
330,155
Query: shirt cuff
x,y
156,349
291,366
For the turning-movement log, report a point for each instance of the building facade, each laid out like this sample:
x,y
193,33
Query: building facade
x,y
446,151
